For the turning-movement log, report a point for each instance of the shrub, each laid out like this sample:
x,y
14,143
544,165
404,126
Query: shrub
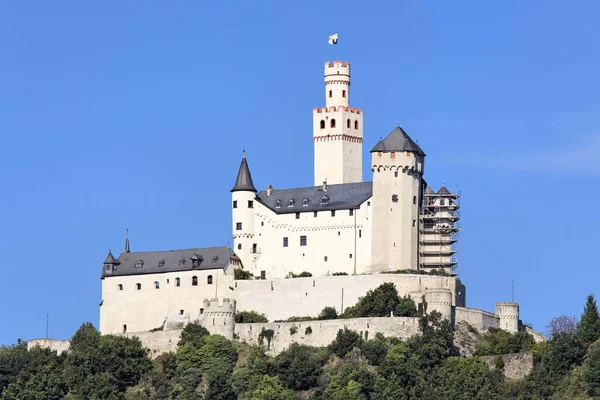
x,y
406,307
192,333
375,349
328,313
298,367
304,274
339,274
298,319
498,341
249,317
308,330
240,274
379,302
344,342
293,330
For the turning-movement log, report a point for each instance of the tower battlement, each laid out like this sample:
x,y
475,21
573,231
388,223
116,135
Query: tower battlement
x,y
337,65
338,108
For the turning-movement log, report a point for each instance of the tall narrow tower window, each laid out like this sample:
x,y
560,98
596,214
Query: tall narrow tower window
x,y
348,124
238,226
343,93
331,93
356,125
322,124
332,123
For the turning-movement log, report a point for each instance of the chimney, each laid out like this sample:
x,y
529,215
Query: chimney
x,y
269,190
324,187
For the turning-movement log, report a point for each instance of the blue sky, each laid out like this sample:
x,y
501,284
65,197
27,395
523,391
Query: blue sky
x,y
133,115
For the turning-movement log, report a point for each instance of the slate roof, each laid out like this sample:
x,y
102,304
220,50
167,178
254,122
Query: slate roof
x,y
397,140
211,258
428,190
443,190
244,178
110,259
339,197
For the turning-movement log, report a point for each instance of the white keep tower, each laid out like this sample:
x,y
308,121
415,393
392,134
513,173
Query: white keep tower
x,y
337,130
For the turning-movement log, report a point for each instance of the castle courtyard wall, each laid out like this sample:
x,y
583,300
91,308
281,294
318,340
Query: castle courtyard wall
x,y
280,299
479,319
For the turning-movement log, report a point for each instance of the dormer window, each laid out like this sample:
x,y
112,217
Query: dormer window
x,y
278,204
139,264
181,262
305,202
291,203
324,200
161,263
196,260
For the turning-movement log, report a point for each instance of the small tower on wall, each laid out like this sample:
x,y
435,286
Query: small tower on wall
x,y
337,130
243,195
398,166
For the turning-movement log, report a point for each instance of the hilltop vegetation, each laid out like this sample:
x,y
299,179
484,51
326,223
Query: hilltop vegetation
x,y
211,367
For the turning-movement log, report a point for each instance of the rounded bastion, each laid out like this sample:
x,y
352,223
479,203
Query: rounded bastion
x,y
508,313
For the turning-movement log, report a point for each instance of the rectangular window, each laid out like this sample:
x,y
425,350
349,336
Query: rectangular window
x,y
350,255
360,233
235,204
333,213
238,226
368,203
263,274
343,93
180,312
351,213
331,93
414,222
285,242
250,204
297,215
395,198
254,248
315,214
325,258
302,240
202,310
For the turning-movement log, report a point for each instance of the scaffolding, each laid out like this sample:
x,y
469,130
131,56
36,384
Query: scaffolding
x,y
439,227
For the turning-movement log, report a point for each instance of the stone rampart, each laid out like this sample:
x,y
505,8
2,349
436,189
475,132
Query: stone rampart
x,y
55,345
280,299
516,366
323,332
479,319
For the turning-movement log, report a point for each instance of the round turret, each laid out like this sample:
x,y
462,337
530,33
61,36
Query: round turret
x,y
219,317
508,313
243,196
337,83
439,300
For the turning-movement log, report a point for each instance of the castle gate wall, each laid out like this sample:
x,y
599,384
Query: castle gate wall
x,y
479,319
281,299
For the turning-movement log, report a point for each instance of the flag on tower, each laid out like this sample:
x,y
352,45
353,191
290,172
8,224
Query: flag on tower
x,y
333,39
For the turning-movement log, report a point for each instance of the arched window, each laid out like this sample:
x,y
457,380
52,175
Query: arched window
x,y
332,123
209,280
177,282
194,281
138,286
322,124
355,124
324,200
156,285
291,203
305,202
120,286
348,124
442,202
278,204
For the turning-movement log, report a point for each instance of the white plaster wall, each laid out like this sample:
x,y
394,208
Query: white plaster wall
x,y
479,319
55,345
281,299
146,309
243,238
324,332
335,237
337,78
157,342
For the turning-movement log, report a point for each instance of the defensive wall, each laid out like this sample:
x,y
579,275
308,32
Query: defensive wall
x,y
280,299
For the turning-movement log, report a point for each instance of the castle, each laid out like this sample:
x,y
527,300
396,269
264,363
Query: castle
x,y
349,235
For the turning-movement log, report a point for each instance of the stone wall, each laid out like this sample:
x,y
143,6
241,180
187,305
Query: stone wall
x,y
479,319
516,366
322,333
56,345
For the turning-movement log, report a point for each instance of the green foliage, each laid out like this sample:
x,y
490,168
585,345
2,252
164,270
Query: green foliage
x,y
344,342
592,370
379,302
498,341
588,328
406,307
249,317
241,274
340,274
328,313
293,330
12,361
467,378
352,381
193,333
269,388
299,366
374,350
303,274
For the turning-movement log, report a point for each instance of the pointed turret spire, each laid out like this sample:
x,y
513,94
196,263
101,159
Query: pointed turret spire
x,y
127,250
244,178
398,140
110,259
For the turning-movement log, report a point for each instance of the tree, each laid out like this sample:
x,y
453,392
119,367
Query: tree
x,y
269,388
12,361
352,381
466,378
562,324
592,370
345,341
193,333
406,307
375,349
328,313
379,302
249,317
298,367
588,328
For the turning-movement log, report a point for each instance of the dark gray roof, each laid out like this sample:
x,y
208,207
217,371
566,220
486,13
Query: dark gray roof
x,y
339,197
110,259
397,140
443,190
428,190
244,178
151,261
